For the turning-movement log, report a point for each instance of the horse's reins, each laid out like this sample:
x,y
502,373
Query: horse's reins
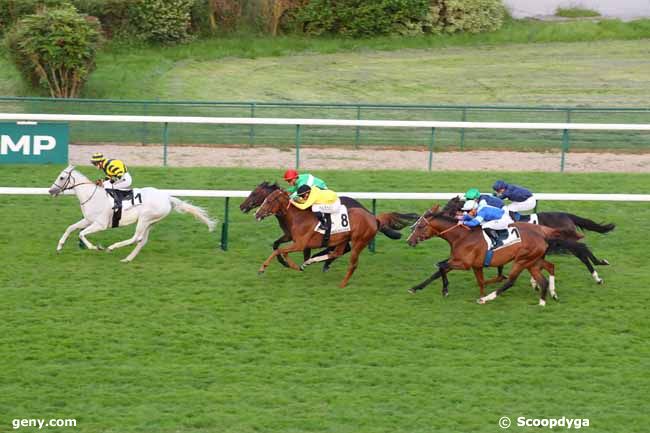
x,y
65,186
447,229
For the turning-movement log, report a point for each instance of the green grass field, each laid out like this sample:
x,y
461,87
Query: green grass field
x,y
188,338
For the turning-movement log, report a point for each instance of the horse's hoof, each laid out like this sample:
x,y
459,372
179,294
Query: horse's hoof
x,y
326,268
412,291
480,301
302,267
556,298
125,261
600,281
605,262
445,294
260,272
542,303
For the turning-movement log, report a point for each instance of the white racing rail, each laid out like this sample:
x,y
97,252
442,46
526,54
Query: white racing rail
x,y
323,122
366,195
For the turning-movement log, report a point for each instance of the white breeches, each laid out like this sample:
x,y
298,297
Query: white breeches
x,y
327,208
500,224
123,184
519,206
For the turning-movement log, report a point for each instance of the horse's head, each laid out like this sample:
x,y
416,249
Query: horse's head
x,y
430,224
257,196
274,204
453,206
65,180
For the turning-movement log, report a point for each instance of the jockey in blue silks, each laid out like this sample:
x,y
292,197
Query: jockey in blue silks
x,y
490,218
520,198
491,200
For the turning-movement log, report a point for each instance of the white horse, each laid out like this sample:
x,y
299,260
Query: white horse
x,y
97,210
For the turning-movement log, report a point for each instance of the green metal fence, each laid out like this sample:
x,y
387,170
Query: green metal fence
x,y
347,137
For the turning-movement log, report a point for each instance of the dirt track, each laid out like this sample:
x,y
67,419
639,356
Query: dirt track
x,y
321,158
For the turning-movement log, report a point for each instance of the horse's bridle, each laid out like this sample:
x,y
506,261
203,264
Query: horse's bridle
x,y
436,232
70,178
275,200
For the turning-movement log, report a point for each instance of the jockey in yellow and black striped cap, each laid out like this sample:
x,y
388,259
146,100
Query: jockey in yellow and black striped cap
x,y
117,175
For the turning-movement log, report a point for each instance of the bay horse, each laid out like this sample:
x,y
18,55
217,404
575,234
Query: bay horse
x,y
97,209
257,197
566,223
300,223
468,251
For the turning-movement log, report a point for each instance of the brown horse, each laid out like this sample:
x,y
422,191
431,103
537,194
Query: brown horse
x,y
257,197
468,251
566,223
363,228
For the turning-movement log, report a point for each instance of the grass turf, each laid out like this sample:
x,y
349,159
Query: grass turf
x,y
189,339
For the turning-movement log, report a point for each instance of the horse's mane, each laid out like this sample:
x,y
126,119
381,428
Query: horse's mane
x,y
440,215
270,186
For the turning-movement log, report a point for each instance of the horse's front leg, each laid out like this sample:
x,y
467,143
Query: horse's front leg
x,y
286,237
76,226
283,251
93,228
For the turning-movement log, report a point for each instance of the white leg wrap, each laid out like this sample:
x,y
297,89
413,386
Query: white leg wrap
x,y
542,303
596,277
551,284
490,297
533,283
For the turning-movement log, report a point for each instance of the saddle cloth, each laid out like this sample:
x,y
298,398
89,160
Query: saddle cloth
x,y
513,238
129,199
340,222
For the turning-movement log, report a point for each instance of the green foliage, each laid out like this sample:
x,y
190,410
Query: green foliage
x,y
576,13
13,10
113,14
360,18
161,21
363,18
55,50
468,16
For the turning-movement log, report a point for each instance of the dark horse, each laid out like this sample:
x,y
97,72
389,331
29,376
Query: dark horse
x,y
300,223
257,197
566,223
468,251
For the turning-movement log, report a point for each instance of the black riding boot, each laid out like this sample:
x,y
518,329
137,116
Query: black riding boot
x,y
494,237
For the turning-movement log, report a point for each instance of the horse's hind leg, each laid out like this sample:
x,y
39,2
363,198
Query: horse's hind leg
x,y
550,268
517,268
536,272
498,278
354,261
443,270
137,235
141,243
76,226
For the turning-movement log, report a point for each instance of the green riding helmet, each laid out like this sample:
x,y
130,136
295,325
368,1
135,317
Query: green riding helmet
x,y
472,194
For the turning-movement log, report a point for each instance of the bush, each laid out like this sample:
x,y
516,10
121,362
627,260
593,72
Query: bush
x,y
163,21
471,16
13,10
113,14
55,50
361,18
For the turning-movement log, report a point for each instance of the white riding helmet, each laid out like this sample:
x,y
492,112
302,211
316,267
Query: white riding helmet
x,y
469,205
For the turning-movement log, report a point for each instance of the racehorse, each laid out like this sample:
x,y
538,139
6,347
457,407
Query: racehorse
x,y
468,251
256,198
300,223
566,223
97,209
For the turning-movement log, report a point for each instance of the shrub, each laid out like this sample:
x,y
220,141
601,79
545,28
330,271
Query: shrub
x,y
55,50
164,21
471,16
13,10
576,12
360,18
113,14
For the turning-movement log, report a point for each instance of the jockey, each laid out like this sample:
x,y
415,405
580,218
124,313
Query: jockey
x,y
490,218
520,198
323,203
117,181
297,180
491,200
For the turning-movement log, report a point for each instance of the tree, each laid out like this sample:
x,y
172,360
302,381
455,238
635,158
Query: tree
x,y
55,50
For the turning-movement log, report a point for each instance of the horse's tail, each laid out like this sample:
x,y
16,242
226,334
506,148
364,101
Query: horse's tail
x,y
578,249
197,212
587,224
390,222
550,233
